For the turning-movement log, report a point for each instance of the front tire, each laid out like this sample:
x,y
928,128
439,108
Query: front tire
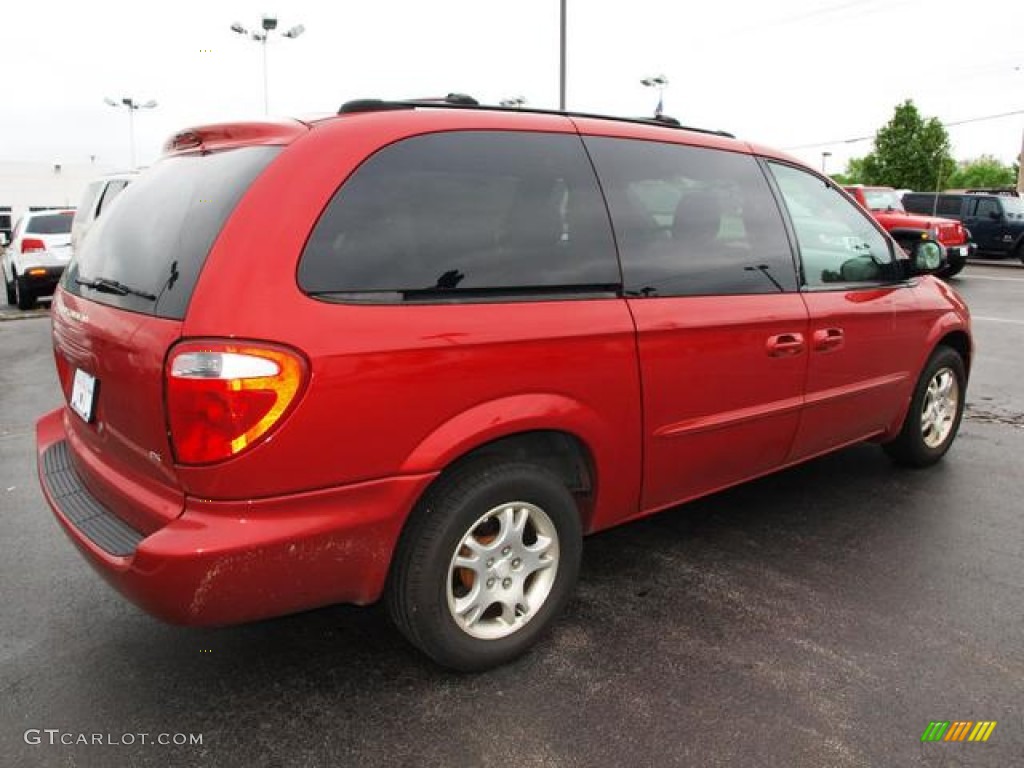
x,y
486,562
12,296
935,412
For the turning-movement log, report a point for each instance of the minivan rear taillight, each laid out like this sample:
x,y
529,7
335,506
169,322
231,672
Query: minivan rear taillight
x,y
223,397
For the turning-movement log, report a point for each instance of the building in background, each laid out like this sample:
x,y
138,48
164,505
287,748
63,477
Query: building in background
x,y
34,186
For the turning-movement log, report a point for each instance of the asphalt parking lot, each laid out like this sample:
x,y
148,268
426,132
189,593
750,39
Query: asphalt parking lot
x,y
819,617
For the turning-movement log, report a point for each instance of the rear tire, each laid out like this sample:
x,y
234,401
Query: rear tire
x,y
487,560
24,296
12,297
935,411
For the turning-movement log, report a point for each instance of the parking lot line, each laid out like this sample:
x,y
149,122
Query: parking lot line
x,y
997,320
991,277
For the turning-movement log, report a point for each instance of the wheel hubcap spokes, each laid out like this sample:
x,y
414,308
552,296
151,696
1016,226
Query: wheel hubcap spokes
x,y
503,570
939,409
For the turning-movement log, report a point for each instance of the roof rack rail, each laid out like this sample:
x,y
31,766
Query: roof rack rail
x,y
380,105
463,101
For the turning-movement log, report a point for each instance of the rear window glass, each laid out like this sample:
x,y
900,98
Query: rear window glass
x,y
461,215
53,224
156,239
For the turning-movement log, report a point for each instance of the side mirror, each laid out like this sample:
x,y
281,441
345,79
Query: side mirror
x,y
3,239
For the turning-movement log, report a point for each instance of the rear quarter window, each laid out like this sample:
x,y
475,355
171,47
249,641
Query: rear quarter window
x,y
924,203
156,239
948,206
464,216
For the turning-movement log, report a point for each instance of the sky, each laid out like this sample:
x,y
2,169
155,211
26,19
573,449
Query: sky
x,y
801,75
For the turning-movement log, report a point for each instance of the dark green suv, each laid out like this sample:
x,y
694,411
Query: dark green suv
x,y
996,222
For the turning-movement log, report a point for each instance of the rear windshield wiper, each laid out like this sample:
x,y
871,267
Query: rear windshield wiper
x,y
106,285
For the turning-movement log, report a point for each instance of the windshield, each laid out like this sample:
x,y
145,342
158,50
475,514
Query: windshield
x,y
50,224
883,200
145,255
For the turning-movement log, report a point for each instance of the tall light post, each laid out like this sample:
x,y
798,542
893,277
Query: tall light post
x,y
661,83
561,56
268,25
1020,167
1020,157
132,106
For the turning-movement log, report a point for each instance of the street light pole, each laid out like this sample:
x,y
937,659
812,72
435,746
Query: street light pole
x,y
268,24
131,134
1020,167
132,106
661,83
561,58
266,87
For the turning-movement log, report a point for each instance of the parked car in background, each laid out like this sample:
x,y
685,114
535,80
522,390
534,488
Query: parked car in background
x,y
98,196
35,259
1004,191
885,204
472,336
996,221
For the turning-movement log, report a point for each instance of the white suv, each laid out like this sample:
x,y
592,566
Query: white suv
x,y
35,259
97,198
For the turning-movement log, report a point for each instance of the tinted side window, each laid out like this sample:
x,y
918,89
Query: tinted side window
x,y
986,206
455,214
691,221
838,243
948,206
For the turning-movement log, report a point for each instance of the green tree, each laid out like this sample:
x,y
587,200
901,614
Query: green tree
x,y
982,172
854,173
910,152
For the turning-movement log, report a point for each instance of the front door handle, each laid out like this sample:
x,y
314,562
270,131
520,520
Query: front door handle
x,y
785,345
826,339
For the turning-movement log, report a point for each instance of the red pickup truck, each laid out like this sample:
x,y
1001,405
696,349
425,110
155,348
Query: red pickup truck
x,y
886,205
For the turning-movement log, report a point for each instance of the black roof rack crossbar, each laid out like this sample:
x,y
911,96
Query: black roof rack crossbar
x,y
462,101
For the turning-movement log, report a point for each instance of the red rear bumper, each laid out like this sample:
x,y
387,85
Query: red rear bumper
x,y
230,562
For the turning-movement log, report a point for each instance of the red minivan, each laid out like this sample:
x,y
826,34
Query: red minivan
x,y
417,350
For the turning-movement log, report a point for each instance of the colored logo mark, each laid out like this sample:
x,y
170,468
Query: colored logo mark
x,y
958,730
